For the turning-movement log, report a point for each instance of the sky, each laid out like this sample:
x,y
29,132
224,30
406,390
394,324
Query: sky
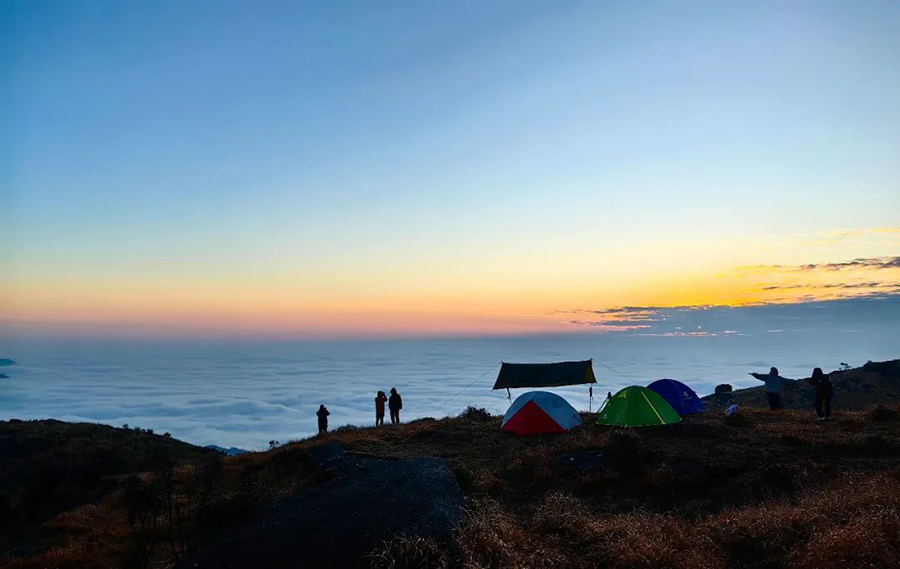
x,y
421,168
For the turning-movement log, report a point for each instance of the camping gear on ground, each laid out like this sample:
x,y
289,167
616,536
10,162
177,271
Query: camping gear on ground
x,y
732,409
538,412
681,397
637,407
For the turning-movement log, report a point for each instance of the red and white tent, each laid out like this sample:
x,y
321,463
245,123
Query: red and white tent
x,y
538,412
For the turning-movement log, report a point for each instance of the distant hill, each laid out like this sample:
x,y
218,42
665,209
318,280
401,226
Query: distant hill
x,y
51,466
231,451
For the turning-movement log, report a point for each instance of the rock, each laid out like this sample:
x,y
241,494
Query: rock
x,y
336,523
723,393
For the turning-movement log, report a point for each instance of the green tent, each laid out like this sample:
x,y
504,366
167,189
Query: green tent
x,y
637,407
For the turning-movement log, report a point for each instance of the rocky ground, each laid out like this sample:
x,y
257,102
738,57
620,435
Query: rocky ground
x,y
758,489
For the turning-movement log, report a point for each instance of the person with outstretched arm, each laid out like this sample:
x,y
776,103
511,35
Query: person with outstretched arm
x,y
323,414
824,390
395,403
773,383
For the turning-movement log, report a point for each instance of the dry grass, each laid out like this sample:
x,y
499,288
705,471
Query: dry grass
x,y
405,552
852,523
788,492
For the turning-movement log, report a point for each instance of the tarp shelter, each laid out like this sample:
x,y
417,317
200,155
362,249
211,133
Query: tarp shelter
x,y
512,376
538,412
681,397
637,407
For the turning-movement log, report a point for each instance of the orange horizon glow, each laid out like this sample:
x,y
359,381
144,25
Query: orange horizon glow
x,y
520,300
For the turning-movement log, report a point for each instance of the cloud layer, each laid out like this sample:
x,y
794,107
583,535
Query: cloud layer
x,y
244,394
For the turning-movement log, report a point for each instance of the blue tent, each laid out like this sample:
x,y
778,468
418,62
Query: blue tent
x,y
681,397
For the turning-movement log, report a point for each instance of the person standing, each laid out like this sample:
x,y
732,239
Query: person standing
x,y
380,400
773,383
323,414
395,403
824,390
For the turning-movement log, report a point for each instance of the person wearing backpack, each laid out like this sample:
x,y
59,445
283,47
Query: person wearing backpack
x,y
824,391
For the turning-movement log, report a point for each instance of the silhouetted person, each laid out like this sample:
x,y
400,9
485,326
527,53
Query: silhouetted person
x,y
380,400
395,403
773,383
323,414
824,390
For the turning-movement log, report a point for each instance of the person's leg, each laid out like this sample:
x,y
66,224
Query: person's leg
x,y
827,406
771,397
819,411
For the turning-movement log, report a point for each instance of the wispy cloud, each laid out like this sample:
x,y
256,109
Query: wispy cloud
x,y
875,263
812,286
872,263
705,320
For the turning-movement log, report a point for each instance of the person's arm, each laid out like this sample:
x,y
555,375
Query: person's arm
x,y
756,375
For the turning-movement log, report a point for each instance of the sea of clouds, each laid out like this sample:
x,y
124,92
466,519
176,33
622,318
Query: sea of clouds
x,y
246,393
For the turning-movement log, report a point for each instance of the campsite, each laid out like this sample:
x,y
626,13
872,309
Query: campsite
x,y
754,489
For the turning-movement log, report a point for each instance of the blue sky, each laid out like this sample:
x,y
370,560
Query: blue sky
x,y
308,146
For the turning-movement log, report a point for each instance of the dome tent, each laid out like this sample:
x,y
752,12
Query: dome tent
x,y
681,397
637,407
538,412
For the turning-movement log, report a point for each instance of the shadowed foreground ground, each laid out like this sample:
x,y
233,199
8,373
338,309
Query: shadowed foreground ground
x,y
762,489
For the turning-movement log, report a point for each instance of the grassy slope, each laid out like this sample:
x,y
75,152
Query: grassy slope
x,y
853,389
763,490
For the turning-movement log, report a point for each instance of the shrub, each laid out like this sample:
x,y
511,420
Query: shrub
x,y
475,414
